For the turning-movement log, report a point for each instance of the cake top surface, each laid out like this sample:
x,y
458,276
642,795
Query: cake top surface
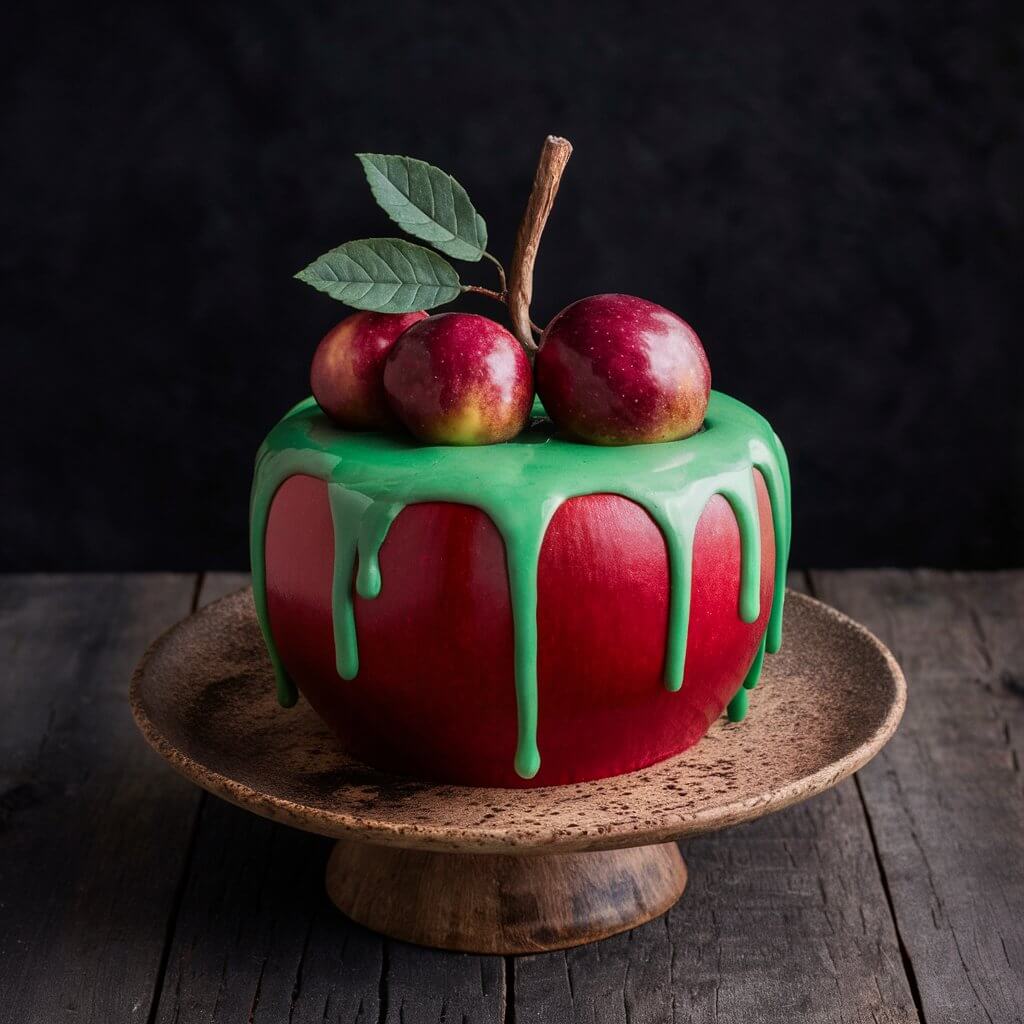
x,y
383,461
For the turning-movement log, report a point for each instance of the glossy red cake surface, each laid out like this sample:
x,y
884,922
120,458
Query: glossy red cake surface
x,y
435,694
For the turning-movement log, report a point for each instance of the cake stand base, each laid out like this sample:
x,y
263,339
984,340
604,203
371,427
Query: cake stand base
x,y
511,870
497,903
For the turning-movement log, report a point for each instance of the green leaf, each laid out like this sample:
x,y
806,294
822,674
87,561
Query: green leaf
x,y
427,203
386,275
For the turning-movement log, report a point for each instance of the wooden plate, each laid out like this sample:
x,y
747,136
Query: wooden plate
x,y
203,696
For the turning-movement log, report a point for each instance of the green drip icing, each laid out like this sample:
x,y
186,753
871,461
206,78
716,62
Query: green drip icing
x,y
737,710
740,702
779,492
271,471
753,676
742,496
520,485
347,511
523,559
373,529
679,546
259,513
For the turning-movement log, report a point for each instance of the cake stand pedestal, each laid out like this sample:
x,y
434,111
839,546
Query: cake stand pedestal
x,y
499,870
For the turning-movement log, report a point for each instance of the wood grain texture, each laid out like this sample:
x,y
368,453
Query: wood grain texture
x,y
785,919
500,903
93,829
240,931
256,939
204,698
945,799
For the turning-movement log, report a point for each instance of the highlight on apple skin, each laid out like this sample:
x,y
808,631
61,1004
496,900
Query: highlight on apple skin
x,y
615,370
459,379
346,375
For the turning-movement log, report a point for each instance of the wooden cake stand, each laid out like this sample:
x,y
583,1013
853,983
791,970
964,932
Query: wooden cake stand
x,y
511,871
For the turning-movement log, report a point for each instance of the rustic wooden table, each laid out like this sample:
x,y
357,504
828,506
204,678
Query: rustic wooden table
x,y
126,894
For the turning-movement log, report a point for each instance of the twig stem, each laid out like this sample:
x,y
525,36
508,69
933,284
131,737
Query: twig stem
x,y
501,271
489,292
553,158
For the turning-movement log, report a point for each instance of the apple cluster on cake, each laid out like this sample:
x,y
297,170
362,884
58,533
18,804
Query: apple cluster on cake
x,y
474,587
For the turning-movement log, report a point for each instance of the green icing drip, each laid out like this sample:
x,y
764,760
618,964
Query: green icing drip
x,y
754,672
520,485
737,709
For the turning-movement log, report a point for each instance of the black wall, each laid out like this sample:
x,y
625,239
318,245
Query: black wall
x,y
831,193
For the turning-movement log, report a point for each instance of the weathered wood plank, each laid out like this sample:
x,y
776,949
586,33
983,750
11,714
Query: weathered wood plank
x,y
93,828
784,919
256,938
214,585
944,798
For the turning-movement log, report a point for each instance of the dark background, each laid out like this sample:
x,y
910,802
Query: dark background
x,y
831,193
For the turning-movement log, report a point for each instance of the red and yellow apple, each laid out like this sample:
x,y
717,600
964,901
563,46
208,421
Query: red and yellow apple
x,y
615,369
346,375
459,379
435,693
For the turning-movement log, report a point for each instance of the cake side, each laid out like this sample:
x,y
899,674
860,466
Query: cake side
x,y
520,487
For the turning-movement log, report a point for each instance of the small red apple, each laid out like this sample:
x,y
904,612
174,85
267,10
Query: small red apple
x,y
348,366
615,369
459,379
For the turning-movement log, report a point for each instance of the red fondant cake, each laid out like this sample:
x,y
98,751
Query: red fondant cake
x,y
503,601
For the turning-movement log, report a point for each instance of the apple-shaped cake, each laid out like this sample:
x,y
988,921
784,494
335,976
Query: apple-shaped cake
x,y
486,601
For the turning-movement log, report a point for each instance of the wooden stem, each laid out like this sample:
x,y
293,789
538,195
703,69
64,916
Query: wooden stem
x,y
553,158
475,289
501,271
